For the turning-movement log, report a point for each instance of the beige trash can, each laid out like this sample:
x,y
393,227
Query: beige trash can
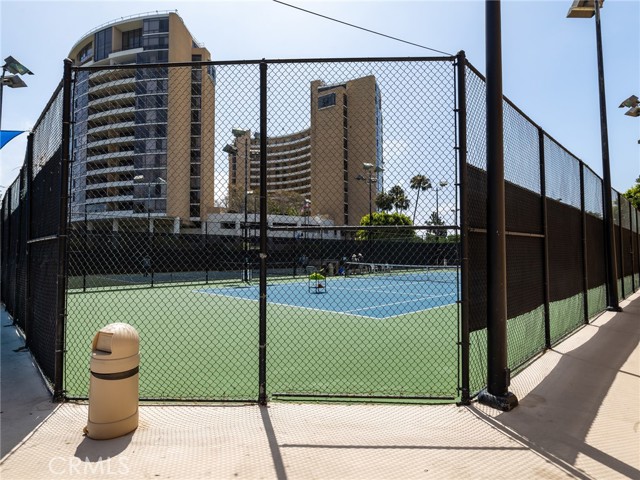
x,y
113,388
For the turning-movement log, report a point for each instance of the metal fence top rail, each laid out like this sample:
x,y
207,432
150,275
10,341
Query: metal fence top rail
x,y
267,61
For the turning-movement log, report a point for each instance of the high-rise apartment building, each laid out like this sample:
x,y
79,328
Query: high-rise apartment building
x,y
333,169
143,137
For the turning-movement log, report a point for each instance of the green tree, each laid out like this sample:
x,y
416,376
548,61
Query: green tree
x,y
400,200
384,202
387,219
435,220
420,183
633,194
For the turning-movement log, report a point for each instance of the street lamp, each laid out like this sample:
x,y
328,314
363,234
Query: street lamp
x,y
139,178
231,149
307,211
587,9
440,185
13,66
369,179
632,104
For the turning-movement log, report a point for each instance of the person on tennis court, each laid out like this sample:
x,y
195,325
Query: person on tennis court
x,y
146,266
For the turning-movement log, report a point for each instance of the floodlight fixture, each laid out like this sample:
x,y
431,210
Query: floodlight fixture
x,y
14,66
367,166
239,132
230,149
630,102
583,8
633,112
13,81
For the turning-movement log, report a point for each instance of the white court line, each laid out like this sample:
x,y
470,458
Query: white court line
x,y
396,303
349,313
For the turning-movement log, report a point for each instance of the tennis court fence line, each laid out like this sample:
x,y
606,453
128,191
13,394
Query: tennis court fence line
x,y
298,229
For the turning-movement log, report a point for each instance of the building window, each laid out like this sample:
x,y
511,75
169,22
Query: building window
x,y
327,100
156,25
158,42
102,41
132,39
86,53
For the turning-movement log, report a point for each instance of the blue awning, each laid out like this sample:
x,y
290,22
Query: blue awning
x,y
7,135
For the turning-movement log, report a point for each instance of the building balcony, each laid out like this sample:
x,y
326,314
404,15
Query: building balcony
x,y
107,156
119,112
116,86
111,102
111,141
112,127
103,171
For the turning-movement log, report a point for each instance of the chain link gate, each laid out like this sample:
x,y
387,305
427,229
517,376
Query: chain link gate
x,y
169,207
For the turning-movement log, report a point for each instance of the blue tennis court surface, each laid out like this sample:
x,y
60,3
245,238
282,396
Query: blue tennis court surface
x,y
366,296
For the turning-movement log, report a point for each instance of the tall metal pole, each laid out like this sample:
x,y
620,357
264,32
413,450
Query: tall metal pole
x,y
609,244
4,71
497,394
245,237
370,213
461,64
58,379
262,330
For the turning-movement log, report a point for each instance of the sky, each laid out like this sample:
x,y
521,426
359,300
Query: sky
x,y
549,61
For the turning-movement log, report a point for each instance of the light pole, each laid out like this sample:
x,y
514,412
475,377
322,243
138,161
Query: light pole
x,y
587,9
13,66
231,149
369,179
159,180
440,185
307,211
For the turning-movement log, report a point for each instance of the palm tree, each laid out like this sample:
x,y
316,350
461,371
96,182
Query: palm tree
x,y
420,183
384,202
400,200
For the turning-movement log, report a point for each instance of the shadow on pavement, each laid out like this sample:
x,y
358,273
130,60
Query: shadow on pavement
x,y
555,417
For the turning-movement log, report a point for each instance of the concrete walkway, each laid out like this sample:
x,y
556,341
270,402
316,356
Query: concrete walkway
x,y
579,417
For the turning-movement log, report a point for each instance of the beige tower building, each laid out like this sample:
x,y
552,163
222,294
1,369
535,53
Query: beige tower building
x,y
333,169
143,137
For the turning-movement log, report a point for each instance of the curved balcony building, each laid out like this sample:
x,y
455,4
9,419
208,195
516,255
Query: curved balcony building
x,y
318,171
141,133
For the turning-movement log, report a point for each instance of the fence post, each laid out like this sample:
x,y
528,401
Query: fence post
x,y
461,65
497,394
585,273
545,240
622,293
58,387
262,341
632,251
28,312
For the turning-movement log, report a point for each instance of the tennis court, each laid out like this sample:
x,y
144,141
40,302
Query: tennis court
x,y
373,335
372,291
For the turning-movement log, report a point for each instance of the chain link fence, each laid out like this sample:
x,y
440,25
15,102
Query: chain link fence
x,y
296,229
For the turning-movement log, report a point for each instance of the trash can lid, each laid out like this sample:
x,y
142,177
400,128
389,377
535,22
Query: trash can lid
x,y
116,340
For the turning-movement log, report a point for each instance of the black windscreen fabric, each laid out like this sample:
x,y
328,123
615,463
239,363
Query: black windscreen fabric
x,y
525,281
41,330
627,253
477,301
564,228
523,210
596,267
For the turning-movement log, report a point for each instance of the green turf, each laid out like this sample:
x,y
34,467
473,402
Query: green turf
x,y
196,346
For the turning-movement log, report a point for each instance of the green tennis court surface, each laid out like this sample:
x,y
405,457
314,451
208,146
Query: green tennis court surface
x,y
205,346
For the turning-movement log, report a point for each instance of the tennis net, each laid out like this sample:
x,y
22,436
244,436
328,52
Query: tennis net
x,y
409,273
